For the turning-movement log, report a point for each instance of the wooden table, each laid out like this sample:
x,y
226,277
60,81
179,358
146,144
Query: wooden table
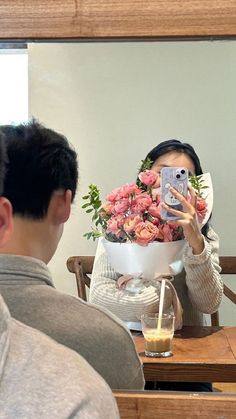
x,y
200,354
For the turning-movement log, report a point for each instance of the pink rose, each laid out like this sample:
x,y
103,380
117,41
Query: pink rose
x,y
154,210
145,233
201,207
160,236
129,189
148,177
114,225
141,203
156,194
155,221
124,191
130,222
114,195
107,207
167,233
121,206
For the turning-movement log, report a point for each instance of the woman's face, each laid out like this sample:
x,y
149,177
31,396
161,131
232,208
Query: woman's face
x,y
172,159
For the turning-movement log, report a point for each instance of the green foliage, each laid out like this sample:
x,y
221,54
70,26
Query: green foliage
x,y
146,164
93,205
198,184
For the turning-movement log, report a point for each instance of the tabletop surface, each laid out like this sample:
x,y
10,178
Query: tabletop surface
x,y
200,353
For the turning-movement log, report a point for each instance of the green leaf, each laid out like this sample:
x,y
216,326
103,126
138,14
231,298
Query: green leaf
x,y
197,184
93,206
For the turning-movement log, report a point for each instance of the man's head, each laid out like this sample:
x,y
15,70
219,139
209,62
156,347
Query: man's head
x,y
5,206
40,182
2,164
40,162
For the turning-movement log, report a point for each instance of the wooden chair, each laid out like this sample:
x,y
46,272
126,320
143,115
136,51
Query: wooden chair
x,y
152,405
228,266
82,267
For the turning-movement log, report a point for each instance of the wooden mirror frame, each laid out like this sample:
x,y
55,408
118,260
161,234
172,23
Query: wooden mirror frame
x,y
119,19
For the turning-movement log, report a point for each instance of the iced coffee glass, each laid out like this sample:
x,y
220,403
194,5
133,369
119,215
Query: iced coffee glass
x,y
158,334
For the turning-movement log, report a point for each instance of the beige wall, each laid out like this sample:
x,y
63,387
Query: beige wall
x,y
115,101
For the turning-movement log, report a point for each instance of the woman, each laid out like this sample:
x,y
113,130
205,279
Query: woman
x,y
199,285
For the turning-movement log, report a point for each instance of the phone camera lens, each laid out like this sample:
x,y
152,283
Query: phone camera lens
x,y
178,176
182,171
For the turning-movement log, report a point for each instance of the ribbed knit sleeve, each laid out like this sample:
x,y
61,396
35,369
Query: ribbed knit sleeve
x,y
203,279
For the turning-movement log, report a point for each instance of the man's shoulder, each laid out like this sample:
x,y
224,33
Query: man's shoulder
x,y
75,308
45,364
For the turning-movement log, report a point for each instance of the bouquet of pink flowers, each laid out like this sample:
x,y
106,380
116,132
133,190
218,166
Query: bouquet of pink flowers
x,y
141,246
131,212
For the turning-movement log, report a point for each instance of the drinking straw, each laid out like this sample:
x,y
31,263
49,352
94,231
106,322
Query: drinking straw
x,y
163,283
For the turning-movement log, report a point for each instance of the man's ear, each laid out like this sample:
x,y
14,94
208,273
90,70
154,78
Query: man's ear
x,y
60,206
6,221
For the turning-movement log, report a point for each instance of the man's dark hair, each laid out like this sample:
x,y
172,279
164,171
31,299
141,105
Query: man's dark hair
x,y
40,162
2,163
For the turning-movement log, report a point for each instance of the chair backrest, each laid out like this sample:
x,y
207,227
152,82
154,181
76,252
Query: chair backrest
x,y
82,267
169,405
228,267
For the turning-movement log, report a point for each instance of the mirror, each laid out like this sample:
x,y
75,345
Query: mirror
x,y
104,115
115,101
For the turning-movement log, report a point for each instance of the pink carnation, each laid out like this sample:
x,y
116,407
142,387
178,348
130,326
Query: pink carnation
x,y
148,177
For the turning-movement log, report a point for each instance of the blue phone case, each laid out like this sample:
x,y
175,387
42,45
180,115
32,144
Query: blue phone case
x,y
177,177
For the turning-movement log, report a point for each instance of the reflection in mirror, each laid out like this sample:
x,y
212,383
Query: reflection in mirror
x,y
115,101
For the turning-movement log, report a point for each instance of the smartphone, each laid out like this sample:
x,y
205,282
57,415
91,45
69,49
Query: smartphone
x,y
177,177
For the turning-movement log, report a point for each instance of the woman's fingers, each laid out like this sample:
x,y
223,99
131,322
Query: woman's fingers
x,y
184,218
193,196
187,206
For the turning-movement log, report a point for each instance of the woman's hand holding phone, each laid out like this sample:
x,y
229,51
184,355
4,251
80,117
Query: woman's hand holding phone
x,y
182,211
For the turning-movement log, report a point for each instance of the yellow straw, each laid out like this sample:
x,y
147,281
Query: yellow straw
x,y
163,283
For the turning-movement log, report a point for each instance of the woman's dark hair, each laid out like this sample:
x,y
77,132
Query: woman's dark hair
x,y
176,145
